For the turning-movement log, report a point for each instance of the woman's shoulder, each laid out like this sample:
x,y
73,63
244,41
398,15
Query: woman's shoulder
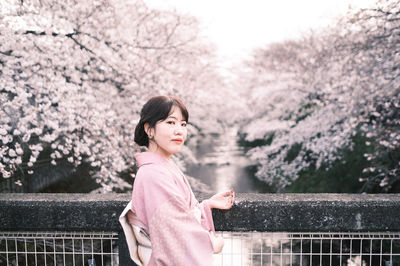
x,y
154,172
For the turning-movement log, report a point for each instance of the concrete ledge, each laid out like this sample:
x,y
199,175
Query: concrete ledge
x,y
65,212
260,212
312,213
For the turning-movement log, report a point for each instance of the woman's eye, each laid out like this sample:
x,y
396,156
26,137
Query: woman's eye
x,y
171,122
184,124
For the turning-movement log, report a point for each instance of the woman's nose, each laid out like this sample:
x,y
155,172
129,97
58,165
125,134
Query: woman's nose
x,y
178,130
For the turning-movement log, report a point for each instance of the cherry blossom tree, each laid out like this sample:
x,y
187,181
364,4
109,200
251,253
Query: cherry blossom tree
x,y
74,75
317,93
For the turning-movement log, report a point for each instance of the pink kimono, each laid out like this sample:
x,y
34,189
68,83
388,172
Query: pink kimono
x,y
165,205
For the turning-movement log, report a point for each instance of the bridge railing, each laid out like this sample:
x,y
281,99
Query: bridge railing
x,y
261,229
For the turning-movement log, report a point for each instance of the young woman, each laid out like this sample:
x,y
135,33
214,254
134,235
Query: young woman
x,y
181,229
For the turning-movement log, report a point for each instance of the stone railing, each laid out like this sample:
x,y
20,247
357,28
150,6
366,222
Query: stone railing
x,y
251,212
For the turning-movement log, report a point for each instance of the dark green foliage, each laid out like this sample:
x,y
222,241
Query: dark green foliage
x,y
247,145
293,152
341,176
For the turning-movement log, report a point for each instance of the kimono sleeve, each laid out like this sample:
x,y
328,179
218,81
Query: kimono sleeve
x,y
206,216
176,236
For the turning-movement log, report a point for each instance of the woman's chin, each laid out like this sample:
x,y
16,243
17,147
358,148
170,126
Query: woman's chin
x,y
176,150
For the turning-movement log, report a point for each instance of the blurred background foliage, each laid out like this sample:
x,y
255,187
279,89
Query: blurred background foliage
x,y
331,99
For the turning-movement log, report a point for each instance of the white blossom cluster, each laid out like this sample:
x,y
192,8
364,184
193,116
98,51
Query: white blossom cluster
x,y
315,94
74,75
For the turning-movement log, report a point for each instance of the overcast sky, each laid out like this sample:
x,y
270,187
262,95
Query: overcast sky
x,y
238,26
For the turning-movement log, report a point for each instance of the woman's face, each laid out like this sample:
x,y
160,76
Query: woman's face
x,y
169,134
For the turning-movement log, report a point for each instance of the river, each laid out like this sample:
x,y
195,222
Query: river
x,y
222,164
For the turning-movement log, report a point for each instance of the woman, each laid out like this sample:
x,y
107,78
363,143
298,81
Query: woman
x,y
181,229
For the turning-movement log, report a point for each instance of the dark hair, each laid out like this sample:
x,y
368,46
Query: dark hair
x,y
156,109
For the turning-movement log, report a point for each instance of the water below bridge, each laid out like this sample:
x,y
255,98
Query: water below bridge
x,y
222,164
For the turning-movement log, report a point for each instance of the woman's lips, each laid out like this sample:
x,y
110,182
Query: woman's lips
x,y
179,141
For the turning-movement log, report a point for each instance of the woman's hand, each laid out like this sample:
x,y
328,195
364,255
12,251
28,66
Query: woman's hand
x,y
222,200
217,242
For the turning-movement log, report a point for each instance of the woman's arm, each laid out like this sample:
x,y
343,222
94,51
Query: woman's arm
x,y
223,200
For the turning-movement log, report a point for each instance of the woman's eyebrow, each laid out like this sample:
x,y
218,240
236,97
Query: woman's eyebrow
x,y
174,117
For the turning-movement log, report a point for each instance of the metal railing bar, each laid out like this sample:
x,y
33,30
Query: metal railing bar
x,y
391,250
301,252
35,250
291,252
16,250
83,253
26,250
73,252
44,248
361,253
351,248
330,252
380,260
63,245
320,252
54,251
370,254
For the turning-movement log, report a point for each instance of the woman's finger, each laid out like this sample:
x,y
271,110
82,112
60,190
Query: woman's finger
x,y
228,193
225,193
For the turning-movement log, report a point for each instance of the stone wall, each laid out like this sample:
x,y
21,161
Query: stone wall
x,y
261,212
251,212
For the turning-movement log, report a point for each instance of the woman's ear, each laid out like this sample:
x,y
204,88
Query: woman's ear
x,y
147,129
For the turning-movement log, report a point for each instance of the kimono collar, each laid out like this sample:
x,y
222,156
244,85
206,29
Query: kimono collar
x,y
150,158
